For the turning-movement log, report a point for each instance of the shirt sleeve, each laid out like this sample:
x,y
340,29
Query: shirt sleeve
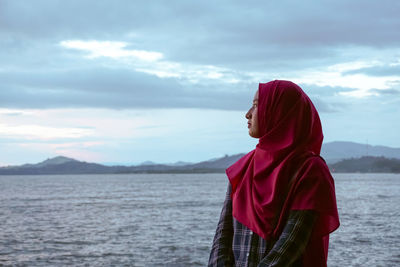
x,y
221,254
293,240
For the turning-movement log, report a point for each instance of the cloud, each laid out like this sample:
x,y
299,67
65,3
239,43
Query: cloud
x,y
227,33
12,112
149,61
31,131
388,92
323,91
327,99
114,50
385,70
197,54
200,41
114,88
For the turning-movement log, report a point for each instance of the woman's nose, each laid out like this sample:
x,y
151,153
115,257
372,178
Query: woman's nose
x,y
248,114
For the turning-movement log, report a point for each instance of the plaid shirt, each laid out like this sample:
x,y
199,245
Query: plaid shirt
x,y
236,245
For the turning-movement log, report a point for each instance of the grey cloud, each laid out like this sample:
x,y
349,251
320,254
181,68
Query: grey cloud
x,y
326,98
267,37
99,80
267,33
12,114
327,107
324,91
111,88
280,22
386,70
386,92
120,89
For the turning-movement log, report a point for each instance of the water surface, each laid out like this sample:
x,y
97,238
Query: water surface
x,y
169,219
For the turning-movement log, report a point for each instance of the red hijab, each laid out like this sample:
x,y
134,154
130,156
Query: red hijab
x,y
285,172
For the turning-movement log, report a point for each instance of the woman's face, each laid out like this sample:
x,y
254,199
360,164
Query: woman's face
x,y
252,118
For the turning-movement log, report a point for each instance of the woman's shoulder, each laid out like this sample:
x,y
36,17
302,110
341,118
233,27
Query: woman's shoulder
x,y
315,165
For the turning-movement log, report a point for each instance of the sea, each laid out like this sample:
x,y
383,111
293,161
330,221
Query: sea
x,y
169,219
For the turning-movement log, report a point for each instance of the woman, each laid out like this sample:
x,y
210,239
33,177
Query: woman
x,y
280,205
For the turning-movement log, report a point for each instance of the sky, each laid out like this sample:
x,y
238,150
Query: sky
x,y
123,82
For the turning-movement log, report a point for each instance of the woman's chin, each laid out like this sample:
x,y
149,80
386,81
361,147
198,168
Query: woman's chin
x,y
253,134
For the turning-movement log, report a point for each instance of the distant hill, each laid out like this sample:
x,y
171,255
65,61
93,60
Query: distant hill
x,y
54,161
64,165
340,156
219,164
57,165
336,151
367,164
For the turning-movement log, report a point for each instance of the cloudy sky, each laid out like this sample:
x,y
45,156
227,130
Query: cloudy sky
x,y
130,81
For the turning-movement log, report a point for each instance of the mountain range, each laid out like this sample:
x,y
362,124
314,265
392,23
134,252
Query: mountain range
x,y
340,156
336,151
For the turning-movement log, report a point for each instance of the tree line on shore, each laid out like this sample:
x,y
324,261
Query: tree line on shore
x,y
63,165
